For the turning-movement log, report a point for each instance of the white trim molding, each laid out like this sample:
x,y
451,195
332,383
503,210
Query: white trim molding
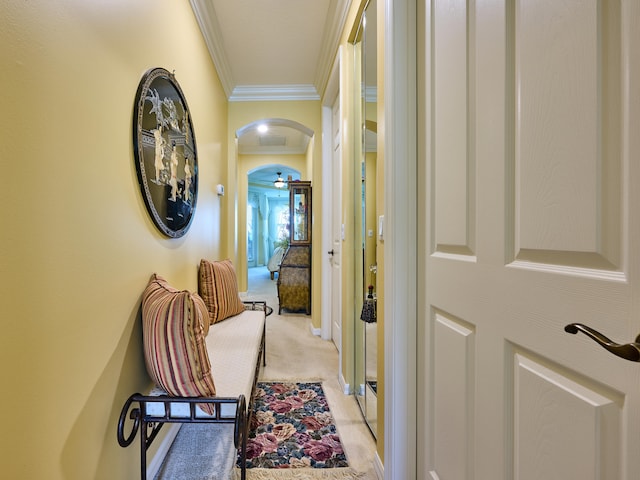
x,y
208,22
315,331
163,449
378,467
256,93
400,289
331,42
330,96
346,387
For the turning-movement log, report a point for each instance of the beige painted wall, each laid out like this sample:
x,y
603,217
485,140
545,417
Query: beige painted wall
x,y
77,244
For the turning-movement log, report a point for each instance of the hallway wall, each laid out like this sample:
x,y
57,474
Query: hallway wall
x,y
78,245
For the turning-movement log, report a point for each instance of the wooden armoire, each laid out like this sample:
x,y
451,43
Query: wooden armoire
x,y
294,278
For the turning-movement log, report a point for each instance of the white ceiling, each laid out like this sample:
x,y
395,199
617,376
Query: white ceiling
x,y
272,50
280,136
276,140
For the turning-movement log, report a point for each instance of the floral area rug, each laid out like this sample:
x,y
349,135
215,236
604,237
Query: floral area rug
x,y
293,428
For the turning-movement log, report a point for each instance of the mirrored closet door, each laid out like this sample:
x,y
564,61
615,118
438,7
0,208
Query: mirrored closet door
x,y
366,334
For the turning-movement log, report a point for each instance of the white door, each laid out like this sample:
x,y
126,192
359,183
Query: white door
x,y
531,222
336,228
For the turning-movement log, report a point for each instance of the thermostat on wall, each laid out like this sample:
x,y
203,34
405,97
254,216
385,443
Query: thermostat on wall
x,y
220,189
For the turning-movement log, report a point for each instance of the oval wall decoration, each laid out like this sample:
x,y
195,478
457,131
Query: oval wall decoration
x,y
165,152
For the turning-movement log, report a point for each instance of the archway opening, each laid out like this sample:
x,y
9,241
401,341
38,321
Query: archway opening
x,y
268,149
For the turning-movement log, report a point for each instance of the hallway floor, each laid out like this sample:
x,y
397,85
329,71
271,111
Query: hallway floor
x,y
294,353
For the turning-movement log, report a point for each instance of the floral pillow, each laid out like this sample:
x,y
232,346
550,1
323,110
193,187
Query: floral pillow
x,y
218,287
174,325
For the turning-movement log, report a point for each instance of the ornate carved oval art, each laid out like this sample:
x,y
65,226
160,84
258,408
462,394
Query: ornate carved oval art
x,y
165,152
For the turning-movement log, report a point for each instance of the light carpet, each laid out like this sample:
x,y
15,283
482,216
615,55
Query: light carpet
x,y
294,353
200,451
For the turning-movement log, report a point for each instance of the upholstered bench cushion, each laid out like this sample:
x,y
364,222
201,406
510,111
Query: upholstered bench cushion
x,y
233,346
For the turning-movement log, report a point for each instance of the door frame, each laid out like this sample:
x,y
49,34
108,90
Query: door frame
x,y
332,92
401,238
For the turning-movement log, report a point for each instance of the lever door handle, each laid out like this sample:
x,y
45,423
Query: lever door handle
x,y
628,351
331,252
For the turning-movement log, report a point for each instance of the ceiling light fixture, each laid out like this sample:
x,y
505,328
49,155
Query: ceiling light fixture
x,y
262,128
279,183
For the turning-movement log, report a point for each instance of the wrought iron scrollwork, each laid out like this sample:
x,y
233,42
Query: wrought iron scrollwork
x,y
135,416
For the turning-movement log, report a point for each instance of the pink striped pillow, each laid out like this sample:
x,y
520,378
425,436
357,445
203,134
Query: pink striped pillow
x,y
218,287
173,330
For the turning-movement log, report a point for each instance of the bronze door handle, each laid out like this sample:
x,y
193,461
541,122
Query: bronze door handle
x,y
628,351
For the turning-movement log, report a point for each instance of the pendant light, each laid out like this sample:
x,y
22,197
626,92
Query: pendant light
x,y
279,183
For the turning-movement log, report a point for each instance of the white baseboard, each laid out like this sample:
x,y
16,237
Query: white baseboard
x,y
315,331
163,449
346,388
378,467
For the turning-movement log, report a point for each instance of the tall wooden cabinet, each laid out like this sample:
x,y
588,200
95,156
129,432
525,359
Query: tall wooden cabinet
x,y
300,213
294,278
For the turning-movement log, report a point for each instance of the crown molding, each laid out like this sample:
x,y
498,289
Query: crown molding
x,y
208,23
253,93
331,41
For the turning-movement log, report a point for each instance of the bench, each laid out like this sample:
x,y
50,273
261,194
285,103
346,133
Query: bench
x,y
232,348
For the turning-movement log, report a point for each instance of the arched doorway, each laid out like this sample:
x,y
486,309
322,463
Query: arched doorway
x,y
267,149
267,212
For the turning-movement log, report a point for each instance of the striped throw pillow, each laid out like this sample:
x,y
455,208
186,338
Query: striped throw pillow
x,y
173,330
218,287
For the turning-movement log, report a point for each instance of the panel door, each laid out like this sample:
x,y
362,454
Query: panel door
x,y
531,144
336,237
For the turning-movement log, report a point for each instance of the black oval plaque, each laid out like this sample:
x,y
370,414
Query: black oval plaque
x,y
165,152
